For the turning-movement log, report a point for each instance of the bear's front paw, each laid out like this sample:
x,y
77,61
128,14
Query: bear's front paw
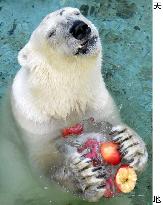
x,y
132,147
91,179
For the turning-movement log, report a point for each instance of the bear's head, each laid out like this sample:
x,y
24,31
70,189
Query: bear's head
x,y
64,34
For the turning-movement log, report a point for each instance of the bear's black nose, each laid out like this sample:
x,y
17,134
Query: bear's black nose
x,y
80,30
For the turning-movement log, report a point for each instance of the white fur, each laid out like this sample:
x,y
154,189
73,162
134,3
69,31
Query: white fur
x,y
74,85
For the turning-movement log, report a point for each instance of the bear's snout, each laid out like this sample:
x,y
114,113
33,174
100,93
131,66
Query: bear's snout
x,y
80,30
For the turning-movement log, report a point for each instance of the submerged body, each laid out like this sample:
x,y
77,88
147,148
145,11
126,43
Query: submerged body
x,y
60,83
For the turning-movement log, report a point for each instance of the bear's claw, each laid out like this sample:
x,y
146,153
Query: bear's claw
x,y
132,147
91,178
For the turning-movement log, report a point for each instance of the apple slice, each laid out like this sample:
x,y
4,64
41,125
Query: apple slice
x,y
125,179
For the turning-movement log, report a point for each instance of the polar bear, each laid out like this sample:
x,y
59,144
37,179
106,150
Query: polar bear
x,y
60,83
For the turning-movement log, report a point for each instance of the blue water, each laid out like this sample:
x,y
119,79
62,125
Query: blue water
x,y
125,30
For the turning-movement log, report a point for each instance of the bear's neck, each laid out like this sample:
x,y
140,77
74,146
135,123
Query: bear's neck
x,y
65,87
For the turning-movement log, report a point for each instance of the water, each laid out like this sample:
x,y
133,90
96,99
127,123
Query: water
x,y
125,30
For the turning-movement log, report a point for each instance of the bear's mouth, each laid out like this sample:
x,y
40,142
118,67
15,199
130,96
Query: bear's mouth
x,y
84,47
84,43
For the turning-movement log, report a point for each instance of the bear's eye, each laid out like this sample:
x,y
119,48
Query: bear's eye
x,y
51,33
77,13
61,12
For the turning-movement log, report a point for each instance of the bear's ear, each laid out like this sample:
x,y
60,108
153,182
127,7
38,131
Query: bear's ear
x,y
23,56
26,57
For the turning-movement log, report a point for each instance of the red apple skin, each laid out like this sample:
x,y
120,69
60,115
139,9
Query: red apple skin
x,y
74,130
110,153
